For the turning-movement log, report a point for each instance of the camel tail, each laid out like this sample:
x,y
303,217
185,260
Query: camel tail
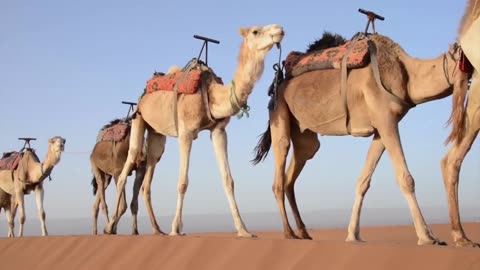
x,y
263,146
94,185
457,117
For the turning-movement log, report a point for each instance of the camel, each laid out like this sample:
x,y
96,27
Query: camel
x,y
107,160
465,121
155,114
29,176
313,103
6,203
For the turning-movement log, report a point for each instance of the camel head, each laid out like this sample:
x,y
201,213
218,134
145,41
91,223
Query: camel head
x,y
56,145
261,39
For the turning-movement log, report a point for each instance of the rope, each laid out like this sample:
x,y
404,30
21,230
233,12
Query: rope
x,y
244,109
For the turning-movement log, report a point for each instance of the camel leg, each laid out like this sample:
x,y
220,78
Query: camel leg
x,y
388,131
9,217
123,200
451,165
280,135
363,184
39,193
139,175
185,146
20,203
155,147
219,141
135,147
305,146
100,197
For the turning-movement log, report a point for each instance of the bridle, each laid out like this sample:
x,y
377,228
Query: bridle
x,y
456,50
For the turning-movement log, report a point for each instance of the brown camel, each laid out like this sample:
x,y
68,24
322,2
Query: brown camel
x,y
107,160
6,203
156,114
313,103
465,119
29,176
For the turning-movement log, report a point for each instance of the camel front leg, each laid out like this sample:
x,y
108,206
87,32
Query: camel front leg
x,y
19,196
139,175
363,184
388,131
305,145
185,144
451,165
39,192
9,217
219,141
135,147
156,147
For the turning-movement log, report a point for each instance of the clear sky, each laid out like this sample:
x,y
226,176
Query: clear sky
x,y
65,66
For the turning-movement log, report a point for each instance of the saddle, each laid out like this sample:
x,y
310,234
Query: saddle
x,y
188,80
116,133
10,160
298,63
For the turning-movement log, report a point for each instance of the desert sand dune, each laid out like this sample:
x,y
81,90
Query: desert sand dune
x,y
392,247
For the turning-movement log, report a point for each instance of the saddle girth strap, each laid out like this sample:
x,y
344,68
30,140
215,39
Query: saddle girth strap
x,y
343,81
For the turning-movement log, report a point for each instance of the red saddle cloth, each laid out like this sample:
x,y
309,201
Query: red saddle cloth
x,y
116,133
298,63
188,85
10,160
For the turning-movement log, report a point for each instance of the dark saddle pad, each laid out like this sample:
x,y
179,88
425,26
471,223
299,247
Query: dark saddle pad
x,y
10,160
116,133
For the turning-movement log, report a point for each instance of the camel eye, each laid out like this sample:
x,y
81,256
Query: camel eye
x,y
255,32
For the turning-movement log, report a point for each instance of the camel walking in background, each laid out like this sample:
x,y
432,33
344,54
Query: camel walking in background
x,y
107,160
29,176
465,119
371,100
162,114
6,203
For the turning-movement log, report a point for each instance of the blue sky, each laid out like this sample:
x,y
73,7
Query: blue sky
x,y
66,66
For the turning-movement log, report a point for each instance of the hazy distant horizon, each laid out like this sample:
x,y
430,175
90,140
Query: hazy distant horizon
x,y
223,222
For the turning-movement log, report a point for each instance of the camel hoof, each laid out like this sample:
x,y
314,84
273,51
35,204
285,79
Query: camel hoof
x,y
304,235
291,236
109,231
466,243
354,240
177,234
135,232
432,242
245,234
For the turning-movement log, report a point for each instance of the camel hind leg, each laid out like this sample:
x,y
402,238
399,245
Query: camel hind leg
x,y
452,162
363,184
139,175
135,147
305,146
280,138
102,182
155,148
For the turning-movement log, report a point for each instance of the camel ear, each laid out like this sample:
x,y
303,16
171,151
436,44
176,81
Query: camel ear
x,y
243,32
50,140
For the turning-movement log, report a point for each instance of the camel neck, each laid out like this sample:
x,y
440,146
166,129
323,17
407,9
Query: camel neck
x,y
430,79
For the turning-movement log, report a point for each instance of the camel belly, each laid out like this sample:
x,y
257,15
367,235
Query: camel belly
x,y
157,109
319,106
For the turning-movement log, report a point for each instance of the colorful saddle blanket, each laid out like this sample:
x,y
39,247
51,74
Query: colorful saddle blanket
x,y
116,133
10,160
298,63
189,84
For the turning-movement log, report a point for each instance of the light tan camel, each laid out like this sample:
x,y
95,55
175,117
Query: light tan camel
x,y
155,113
29,176
313,103
107,160
6,203
465,119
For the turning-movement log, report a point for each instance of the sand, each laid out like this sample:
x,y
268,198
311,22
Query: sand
x,y
392,247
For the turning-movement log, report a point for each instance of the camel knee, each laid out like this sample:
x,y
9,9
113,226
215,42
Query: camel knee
x,y
22,219
407,184
42,215
278,191
182,188
134,208
363,186
283,144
